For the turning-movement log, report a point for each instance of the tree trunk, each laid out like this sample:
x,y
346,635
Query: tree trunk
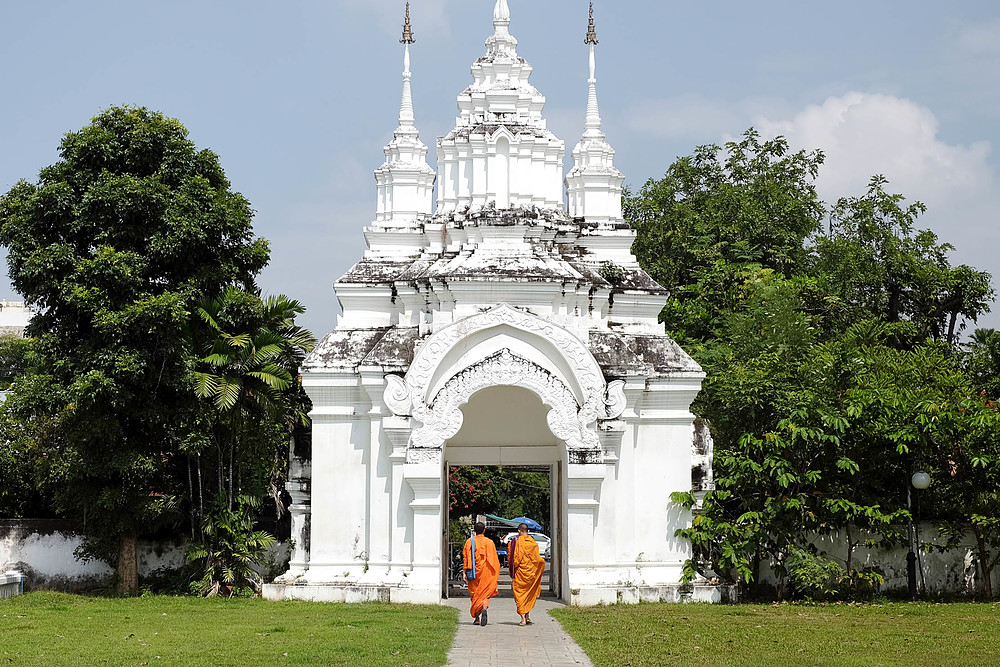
x,y
191,497
201,502
985,563
231,448
128,566
782,575
755,586
988,579
222,472
951,328
893,305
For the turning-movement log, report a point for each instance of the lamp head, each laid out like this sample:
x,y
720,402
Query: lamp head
x,y
920,480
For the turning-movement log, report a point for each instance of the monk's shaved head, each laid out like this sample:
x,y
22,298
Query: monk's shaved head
x,y
522,528
480,528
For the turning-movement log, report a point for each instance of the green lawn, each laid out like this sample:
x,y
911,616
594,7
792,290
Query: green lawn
x,y
776,636
58,629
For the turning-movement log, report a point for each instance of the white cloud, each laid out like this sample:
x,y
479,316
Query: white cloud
x,y
864,134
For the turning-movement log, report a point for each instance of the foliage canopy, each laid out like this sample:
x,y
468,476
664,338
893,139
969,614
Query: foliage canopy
x,y
830,339
115,245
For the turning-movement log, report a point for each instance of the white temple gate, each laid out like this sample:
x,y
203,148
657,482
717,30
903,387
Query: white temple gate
x,y
499,328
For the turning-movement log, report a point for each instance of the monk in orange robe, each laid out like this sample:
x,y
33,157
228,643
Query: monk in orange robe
x,y
487,572
526,569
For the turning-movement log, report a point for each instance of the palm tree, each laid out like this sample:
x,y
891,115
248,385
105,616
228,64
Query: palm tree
x,y
247,373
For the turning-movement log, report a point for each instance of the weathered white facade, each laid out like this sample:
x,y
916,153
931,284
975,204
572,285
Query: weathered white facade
x,y
499,328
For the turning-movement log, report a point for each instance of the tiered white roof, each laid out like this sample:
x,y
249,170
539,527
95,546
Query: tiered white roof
x,y
501,231
500,150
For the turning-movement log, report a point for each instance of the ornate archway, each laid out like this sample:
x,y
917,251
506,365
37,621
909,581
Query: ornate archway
x,y
440,381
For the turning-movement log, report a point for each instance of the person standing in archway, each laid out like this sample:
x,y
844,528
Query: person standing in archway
x,y
526,569
481,571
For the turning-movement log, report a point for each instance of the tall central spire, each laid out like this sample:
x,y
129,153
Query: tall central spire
x,y
501,13
500,152
406,120
593,123
502,43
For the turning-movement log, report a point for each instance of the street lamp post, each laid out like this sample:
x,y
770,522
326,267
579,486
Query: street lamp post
x,y
920,481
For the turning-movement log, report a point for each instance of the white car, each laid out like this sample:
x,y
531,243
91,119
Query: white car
x,y
544,543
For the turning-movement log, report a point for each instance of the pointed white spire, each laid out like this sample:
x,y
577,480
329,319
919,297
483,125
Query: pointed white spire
x,y
594,185
405,180
406,119
593,124
501,13
501,42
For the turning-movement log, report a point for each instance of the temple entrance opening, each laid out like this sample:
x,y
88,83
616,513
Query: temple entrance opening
x,y
504,463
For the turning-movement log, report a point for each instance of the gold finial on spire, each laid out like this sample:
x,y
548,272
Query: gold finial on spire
x,y
591,32
407,30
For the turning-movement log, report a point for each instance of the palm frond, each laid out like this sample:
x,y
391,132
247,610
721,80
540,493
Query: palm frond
x,y
228,393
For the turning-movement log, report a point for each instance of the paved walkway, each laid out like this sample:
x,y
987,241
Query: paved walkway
x,y
504,642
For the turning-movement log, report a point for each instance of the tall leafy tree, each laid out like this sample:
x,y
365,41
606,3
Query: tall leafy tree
x,y
971,499
747,202
114,245
877,263
830,347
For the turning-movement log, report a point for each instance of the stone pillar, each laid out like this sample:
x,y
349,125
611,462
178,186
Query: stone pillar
x,y
397,431
663,434
379,528
615,538
301,513
583,485
425,481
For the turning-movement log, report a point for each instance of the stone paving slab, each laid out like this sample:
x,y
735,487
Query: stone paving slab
x,y
504,643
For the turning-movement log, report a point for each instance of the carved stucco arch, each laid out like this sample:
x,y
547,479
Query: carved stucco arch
x,y
440,416
583,369
441,420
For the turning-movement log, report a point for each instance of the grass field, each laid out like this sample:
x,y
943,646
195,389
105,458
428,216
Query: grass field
x,y
928,634
57,629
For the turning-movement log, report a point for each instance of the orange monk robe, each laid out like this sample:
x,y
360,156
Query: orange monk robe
x,y
484,586
528,568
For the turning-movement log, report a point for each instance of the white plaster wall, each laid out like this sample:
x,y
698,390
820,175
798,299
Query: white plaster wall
x,y
14,314
951,571
48,559
339,500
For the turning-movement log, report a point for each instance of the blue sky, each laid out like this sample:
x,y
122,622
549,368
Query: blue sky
x,y
299,97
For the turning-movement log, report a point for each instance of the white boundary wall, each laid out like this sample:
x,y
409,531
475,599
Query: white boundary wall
x,y
945,571
47,558
44,553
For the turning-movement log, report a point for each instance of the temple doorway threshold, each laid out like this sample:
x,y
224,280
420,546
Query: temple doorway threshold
x,y
533,488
